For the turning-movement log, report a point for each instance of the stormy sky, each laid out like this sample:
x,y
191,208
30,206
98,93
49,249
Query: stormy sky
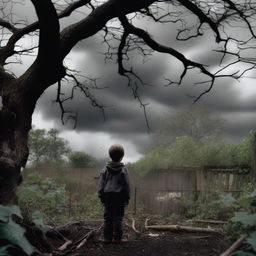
x,y
124,121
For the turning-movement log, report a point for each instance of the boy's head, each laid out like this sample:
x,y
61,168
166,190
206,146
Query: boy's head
x,y
116,152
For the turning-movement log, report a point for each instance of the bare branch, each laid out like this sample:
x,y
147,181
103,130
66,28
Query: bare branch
x,y
8,50
85,91
96,21
129,28
241,14
202,17
8,25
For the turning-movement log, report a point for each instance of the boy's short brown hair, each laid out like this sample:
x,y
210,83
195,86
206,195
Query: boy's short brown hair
x,y
116,152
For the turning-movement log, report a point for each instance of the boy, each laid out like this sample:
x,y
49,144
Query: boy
x,y
114,193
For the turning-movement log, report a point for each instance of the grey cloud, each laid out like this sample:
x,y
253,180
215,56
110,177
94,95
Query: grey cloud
x,y
239,124
125,119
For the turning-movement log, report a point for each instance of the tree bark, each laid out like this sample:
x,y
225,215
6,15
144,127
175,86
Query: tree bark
x,y
13,153
19,97
15,123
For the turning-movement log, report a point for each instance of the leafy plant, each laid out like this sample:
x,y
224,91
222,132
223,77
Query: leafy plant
x,y
41,194
244,221
13,232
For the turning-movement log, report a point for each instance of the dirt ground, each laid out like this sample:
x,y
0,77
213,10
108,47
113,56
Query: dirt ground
x,y
144,244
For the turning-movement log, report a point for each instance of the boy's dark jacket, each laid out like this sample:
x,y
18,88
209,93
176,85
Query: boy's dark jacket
x,y
114,179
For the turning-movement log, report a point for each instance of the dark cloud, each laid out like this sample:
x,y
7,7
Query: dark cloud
x,y
124,117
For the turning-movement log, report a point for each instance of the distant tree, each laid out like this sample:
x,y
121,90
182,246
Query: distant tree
x,y
82,160
37,145
195,122
47,146
186,151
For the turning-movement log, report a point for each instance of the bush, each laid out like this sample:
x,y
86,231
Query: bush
x,y
186,151
82,160
42,194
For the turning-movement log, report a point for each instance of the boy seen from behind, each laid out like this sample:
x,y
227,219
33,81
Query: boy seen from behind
x,y
114,193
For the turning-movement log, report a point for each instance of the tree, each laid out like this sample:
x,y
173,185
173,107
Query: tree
x,y
47,147
186,151
20,94
37,145
194,121
82,160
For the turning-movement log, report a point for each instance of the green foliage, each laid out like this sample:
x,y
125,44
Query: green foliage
x,y
245,218
227,200
42,194
252,240
11,231
47,146
82,160
38,219
56,202
211,205
191,138
4,250
186,151
93,206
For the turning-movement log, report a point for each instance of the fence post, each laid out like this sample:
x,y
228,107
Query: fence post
x,y
135,201
196,186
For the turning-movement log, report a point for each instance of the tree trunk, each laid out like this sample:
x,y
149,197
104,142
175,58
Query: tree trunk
x,y
15,123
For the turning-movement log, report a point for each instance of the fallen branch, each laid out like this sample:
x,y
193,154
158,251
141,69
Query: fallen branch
x,y
67,241
133,226
65,245
84,241
211,221
146,223
199,237
181,228
234,246
85,238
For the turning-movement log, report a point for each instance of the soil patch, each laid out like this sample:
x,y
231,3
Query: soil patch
x,y
146,243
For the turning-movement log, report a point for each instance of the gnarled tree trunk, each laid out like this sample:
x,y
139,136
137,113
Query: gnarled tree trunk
x,y
15,120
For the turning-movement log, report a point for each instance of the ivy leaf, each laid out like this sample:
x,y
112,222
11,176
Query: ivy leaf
x,y
252,240
253,194
4,250
11,231
38,219
245,218
227,200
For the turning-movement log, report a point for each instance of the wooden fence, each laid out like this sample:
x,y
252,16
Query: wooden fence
x,y
163,191
167,191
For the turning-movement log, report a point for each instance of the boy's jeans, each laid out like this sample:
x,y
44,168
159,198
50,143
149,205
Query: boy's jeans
x,y
113,217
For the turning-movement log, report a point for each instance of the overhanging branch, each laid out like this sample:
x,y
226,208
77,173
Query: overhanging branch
x,y
18,33
130,29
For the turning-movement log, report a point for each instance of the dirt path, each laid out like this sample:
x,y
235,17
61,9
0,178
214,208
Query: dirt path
x,y
153,244
168,244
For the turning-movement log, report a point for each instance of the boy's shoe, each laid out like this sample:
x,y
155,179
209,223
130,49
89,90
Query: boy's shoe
x,y
120,241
